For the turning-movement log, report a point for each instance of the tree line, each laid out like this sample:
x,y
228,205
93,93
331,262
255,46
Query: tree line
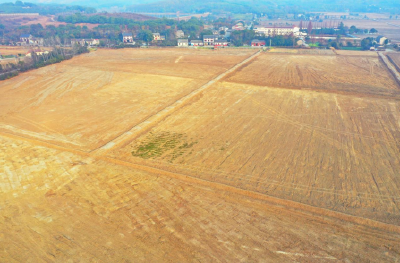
x,y
37,61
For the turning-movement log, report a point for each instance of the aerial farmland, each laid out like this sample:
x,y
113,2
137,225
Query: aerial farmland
x,y
194,155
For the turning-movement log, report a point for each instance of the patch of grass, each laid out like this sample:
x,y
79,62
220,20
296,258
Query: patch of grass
x,y
352,48
164,144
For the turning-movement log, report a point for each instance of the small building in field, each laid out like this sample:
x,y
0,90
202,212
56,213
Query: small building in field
x,y
209,40
127,38
221,43
258,43
183,42
196,43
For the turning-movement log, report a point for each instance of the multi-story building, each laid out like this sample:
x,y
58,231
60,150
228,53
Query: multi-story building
x,y
127,38
209,40
277,30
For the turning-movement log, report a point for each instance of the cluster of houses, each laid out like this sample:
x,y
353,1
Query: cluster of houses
x,y
128,38
29,40
208,41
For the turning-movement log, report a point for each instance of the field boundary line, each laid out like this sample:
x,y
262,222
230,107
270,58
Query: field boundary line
x,y
288,204
153,120
389,66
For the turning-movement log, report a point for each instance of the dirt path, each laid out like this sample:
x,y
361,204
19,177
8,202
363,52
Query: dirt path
x,y
390,66
153,120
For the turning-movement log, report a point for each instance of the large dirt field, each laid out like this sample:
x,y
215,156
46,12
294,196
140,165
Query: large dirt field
x,y
183,155
396,59
344,74
72,103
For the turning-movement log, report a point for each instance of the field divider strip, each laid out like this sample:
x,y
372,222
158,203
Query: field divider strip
x,y
153,120
390,67
288,204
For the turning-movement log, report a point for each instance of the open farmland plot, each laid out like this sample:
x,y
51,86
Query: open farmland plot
x,y
324,149
179,155
57,206
395,59
346,74
87,101
330,151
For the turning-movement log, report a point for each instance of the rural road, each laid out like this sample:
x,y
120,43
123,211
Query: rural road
x,y
153,120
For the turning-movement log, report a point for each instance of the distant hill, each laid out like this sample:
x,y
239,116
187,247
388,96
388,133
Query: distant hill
x,y
266,6
99,4
133,16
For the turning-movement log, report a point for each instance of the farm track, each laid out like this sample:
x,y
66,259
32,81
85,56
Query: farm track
x,y
153,120
391,67
292,205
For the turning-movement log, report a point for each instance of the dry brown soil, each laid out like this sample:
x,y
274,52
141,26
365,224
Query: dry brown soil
x,y
289,158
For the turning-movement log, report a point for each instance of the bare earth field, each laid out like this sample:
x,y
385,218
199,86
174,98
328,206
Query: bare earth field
x,y
72,103
396,59
11,50
57,206
173,155
344,74
15,21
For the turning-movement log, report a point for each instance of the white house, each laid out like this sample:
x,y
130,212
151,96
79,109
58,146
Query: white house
x,y
183,42
277,30
127,38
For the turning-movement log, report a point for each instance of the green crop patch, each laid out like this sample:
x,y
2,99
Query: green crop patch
x,y
168,145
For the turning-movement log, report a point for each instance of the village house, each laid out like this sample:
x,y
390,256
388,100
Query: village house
x,y
85,42
158,37
29,40
258,43
221,43
239,26
196,43
209,40
208,27
277,30
183,42
38,53
179,34
127,38
25,38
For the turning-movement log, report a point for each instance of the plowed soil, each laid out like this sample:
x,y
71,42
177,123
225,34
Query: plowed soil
x,y
344,74
179,155
87,101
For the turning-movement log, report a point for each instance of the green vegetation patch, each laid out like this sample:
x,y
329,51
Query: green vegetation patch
x,y
168,145
352,48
